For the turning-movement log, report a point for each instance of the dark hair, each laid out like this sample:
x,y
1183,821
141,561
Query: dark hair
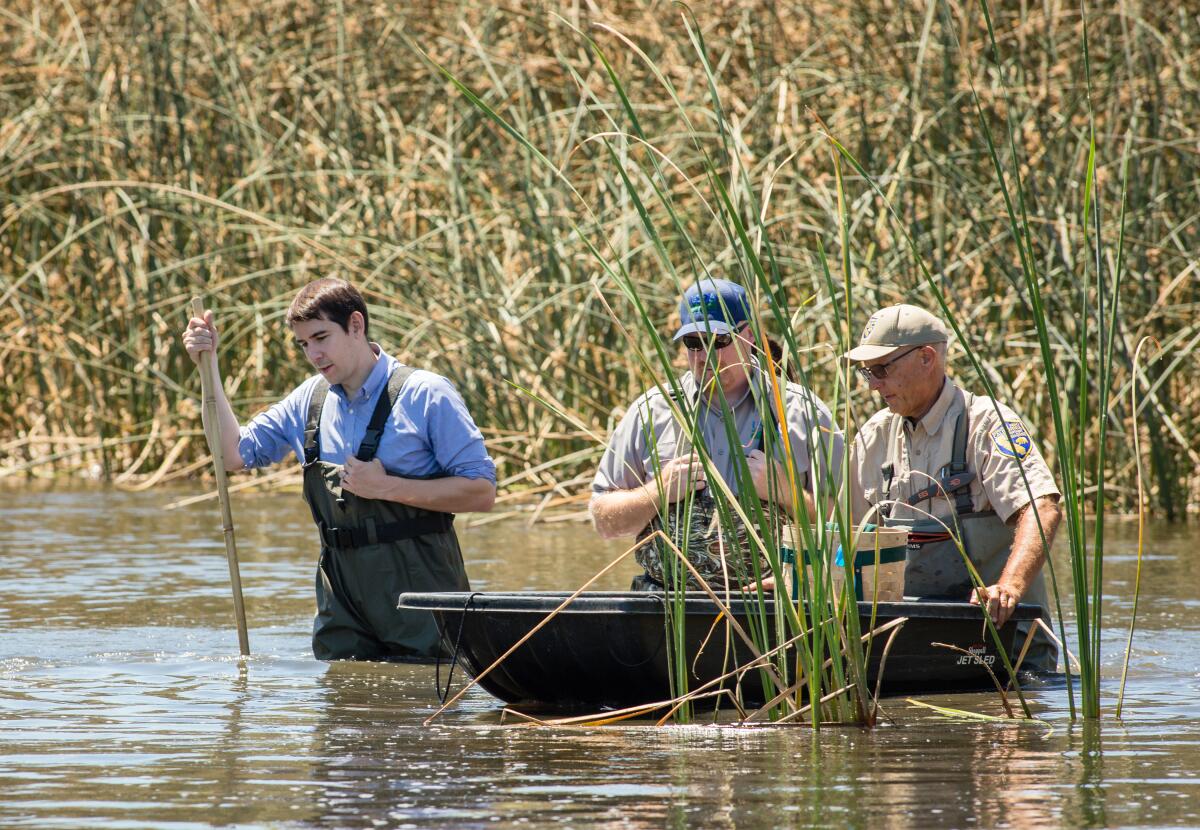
x,y
328,299
777,358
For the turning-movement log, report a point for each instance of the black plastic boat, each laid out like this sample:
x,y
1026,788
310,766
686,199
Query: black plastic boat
x,y
609,650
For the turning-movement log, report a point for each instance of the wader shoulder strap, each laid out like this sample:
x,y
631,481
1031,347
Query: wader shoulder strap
x,y
383,409
312,424
955,478
888,471
957,468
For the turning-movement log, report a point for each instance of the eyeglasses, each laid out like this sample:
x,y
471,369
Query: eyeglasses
x,y
880,371
699,343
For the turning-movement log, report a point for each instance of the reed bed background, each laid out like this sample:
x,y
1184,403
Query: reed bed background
x,y
152,150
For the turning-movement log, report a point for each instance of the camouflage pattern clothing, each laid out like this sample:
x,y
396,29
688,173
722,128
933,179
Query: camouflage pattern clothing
x,y
716,543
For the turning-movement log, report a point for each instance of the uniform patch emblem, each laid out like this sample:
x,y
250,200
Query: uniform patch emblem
x,y
1020,445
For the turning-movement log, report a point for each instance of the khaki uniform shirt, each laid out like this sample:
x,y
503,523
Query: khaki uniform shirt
x,y
925,447
649,429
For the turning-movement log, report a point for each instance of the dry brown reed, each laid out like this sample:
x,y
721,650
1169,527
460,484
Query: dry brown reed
x,y
153,149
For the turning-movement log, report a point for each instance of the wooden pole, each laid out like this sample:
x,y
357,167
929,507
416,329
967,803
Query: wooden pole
x,y
208,383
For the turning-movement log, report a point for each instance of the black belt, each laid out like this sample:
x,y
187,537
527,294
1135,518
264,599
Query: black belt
x,y
377,534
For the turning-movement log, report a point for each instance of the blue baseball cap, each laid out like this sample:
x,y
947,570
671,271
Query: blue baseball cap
x,y
713,307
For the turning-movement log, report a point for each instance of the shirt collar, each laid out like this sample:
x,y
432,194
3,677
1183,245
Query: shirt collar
x,y
377,378
713,401
937,415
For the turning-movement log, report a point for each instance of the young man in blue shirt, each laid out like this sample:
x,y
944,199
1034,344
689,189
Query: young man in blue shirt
x,y
390,454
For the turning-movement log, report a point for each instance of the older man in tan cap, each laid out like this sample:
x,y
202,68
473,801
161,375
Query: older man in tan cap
x,y
965,460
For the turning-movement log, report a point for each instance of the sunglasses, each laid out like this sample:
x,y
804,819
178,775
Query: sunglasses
x,y
700,343
880,371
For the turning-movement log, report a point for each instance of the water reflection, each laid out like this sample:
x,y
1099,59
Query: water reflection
x,y
123,704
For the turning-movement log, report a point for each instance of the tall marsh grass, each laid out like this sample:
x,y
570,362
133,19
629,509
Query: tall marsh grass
x,y
152,149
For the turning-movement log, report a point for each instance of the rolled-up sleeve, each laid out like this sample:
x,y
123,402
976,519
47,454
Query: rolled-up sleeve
x,y
455,440
271,435
622,466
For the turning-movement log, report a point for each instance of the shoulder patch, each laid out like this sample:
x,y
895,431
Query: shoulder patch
x,y
1020,444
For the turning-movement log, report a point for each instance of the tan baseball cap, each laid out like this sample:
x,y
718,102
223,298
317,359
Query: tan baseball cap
x,y
894,327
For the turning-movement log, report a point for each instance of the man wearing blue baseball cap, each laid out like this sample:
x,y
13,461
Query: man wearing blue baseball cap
x,y
713,307
652,466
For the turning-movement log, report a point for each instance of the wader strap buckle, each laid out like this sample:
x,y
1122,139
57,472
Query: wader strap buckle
x,y
337,537
370,443
888,471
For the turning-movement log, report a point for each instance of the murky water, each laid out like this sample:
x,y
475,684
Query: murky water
x,y
123,703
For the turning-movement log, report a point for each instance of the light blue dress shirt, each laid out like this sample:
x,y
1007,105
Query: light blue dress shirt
x,y
430,432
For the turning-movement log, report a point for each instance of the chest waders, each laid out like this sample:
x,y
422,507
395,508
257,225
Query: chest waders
x,y
372,551
934,566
